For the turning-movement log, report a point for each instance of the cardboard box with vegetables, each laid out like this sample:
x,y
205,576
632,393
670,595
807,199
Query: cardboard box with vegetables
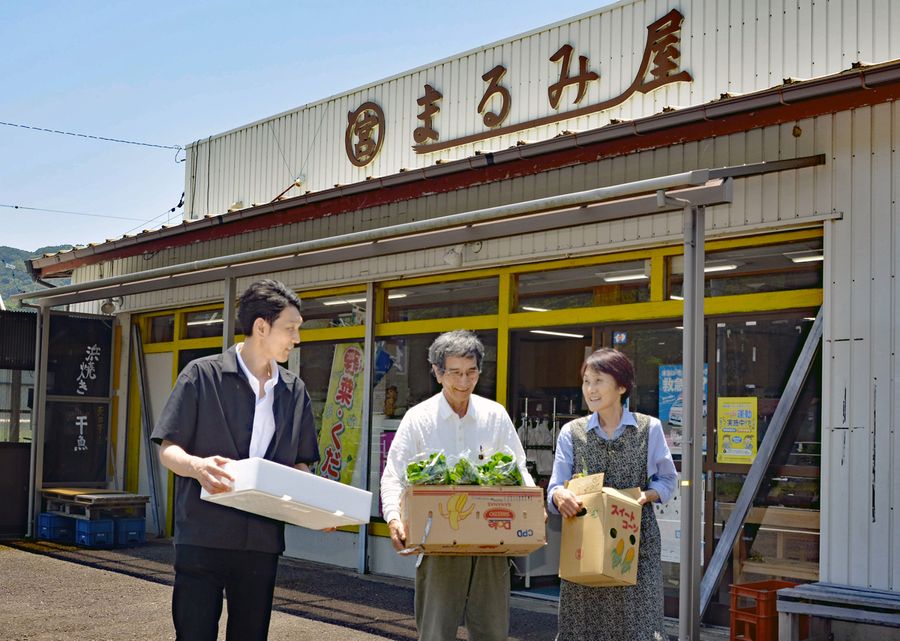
x,y
460,508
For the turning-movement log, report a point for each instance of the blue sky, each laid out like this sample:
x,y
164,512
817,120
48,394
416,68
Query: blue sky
x,y
170,73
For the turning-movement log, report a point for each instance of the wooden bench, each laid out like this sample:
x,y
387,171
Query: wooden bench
x,y
830,601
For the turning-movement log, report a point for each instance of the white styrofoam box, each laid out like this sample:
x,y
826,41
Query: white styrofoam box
x,y
290,495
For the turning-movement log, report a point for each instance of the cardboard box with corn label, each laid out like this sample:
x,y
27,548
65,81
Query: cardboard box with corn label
x,y
474,520
600,546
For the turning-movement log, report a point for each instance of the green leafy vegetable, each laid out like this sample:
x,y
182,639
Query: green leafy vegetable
x,y
500,469
464,473
429,471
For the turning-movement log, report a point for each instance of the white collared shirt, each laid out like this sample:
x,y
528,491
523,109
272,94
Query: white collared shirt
x,y
433,426
263,415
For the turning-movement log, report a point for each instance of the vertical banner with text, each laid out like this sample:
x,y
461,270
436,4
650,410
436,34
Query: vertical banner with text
x,y
342,416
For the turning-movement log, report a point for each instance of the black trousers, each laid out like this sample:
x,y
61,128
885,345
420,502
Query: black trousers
x,y
203,574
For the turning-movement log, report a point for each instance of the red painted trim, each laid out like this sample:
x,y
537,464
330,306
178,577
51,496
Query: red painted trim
x,y
418,188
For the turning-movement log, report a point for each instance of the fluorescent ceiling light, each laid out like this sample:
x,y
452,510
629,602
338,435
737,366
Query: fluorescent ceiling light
x,y
549,333
354,301
621,278
809,256
534,309
675,297
209,321
719,267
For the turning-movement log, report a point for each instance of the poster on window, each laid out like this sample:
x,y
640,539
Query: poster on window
x,y
342,415
671,404
736,422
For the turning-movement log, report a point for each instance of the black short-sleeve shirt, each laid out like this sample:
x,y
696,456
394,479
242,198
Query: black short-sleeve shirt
x,y
210,412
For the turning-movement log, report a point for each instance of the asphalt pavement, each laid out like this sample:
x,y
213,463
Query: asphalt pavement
x,y
52,591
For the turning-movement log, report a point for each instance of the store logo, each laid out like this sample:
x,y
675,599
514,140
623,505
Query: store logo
x,y
499,518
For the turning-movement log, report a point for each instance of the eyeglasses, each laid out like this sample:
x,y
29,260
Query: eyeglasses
x,y
457,374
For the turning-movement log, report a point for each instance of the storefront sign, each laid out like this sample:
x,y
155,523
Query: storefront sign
x,y
365,134
80,358
671,404
736,422
342,416
79,366
659,66
75,444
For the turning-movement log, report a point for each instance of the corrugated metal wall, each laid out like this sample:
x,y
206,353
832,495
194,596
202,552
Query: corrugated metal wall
x,y
861,403
17,339
733,46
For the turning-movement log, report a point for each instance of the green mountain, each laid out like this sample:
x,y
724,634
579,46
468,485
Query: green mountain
x,y
14,277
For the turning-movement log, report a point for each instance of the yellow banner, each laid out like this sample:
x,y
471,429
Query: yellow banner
x,y
342,416
736,419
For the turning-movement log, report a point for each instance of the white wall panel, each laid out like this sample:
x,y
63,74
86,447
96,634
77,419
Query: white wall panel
x,y
734,46
857,250
880,325
891,343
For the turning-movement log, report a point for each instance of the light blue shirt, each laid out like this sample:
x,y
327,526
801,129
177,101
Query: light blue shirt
x,y
660,467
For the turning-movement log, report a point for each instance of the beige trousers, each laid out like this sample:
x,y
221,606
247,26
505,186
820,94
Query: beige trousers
x,y
469,589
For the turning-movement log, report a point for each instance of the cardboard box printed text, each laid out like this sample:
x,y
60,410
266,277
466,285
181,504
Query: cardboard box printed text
x,y
474,520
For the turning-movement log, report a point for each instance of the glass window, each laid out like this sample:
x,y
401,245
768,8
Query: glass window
x,y
752,270
203,324
443,300
657,354
590,286
545,390
315,370
345,310
162,329
780,537
16,390
754,359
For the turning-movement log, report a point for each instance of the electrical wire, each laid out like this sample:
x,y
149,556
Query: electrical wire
x,y
165,213
103,138
64,211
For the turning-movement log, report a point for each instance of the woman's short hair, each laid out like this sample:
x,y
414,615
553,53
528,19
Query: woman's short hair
x,y
460,343
613,362
264,299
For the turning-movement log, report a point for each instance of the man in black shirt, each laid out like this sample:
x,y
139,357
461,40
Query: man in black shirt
x,y
226,407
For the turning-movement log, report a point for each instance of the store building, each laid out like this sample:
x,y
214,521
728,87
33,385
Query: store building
x,y
792,104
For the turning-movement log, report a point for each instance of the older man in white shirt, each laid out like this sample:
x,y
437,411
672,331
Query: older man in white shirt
x,y
454,421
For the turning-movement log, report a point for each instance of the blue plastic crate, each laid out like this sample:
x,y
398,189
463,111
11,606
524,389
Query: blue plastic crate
x,y
96,533
130,531
55,527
